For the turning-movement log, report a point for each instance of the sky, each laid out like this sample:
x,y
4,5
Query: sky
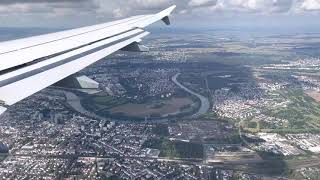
x,y
189,13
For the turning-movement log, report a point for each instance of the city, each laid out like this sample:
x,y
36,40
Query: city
x,y
261,120
159,90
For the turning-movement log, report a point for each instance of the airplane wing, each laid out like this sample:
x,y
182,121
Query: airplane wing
x,y
31,64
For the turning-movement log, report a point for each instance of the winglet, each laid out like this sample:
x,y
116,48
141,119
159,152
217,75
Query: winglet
x,y
166,13
166,20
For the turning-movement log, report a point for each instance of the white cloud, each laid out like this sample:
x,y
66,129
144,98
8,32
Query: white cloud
x,y
311,5
103,10
199,3
47,9
150,4
257,6
184,11
119,12
121,8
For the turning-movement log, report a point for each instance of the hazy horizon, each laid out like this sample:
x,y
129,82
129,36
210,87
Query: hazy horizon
x,y
289,15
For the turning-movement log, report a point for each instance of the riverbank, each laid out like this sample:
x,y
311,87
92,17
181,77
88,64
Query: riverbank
x,y
205,104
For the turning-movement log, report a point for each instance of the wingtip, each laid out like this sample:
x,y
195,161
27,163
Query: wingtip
x,y
171,8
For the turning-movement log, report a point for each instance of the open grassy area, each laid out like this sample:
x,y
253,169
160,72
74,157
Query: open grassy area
x,y
303,112
123,108
176,149
313,94
102,101
154,108
303,115
2,157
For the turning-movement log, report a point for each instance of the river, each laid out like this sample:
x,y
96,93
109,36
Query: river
x,y
74,101
205,104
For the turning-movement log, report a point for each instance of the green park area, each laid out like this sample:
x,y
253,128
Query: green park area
x,y
124,108
176,149
302,113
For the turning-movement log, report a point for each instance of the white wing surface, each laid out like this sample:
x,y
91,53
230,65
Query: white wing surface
x,y
31,64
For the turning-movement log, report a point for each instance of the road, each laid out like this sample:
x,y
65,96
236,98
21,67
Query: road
x,y
205,105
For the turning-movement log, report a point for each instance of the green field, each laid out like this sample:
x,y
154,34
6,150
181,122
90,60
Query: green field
x,y
123,108
303,112
175,149
155,108
303,115
2,157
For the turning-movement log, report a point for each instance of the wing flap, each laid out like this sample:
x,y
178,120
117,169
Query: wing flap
x,y
41,65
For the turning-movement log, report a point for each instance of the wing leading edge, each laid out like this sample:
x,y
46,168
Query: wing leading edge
x,y
31,64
